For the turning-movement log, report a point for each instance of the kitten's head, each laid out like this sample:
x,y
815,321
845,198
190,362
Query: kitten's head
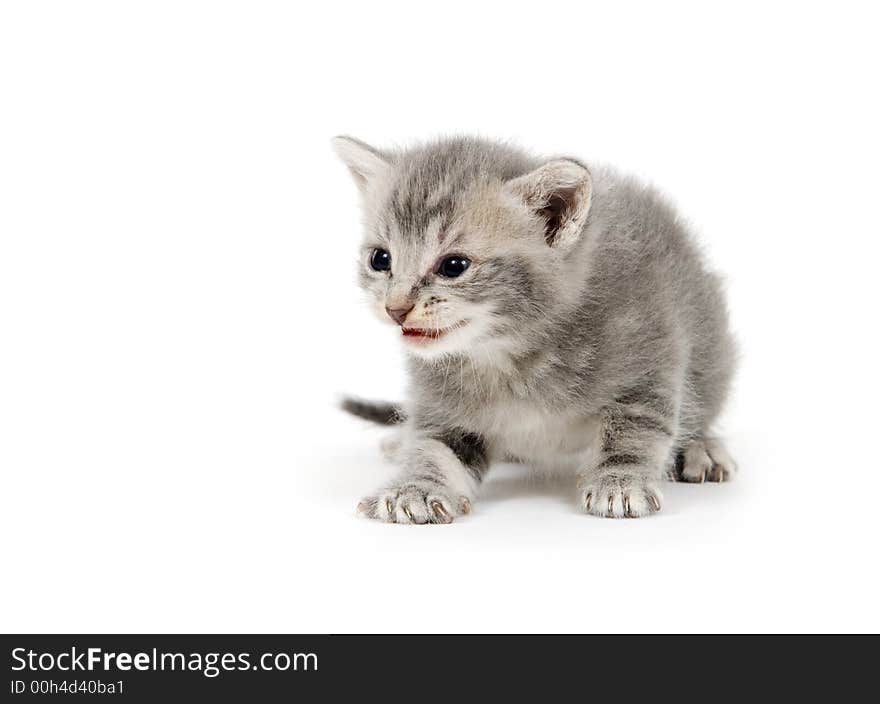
x,y
467,242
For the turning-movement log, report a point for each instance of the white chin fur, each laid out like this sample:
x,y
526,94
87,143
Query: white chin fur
x,y
455,340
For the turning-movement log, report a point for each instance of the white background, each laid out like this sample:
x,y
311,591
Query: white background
x,y
178,313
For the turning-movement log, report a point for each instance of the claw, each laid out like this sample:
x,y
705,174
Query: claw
x,y
465,505
440,512
409,514
611,504
655,504
363,507
390,508
589,500
717,474
626,507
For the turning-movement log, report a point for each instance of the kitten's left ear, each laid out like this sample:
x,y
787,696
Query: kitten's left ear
x,y
559,192
365,162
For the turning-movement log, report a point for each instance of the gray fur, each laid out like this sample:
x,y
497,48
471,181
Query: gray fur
x,y
379,412
587,335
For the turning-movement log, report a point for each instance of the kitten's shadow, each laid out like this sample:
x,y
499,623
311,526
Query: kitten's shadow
x,y
509,482
345,475
512,482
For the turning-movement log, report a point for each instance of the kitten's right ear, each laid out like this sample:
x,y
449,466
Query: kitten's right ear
x,y
364,162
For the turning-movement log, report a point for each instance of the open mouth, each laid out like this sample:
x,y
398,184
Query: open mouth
x,y
425,335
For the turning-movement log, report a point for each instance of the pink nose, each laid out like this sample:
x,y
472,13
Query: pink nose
x,y
398,315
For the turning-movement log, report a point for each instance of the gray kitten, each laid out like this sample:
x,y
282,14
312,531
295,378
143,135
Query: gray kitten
x,y
553,315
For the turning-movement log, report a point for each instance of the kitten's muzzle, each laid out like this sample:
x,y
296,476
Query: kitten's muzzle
x,y
398,315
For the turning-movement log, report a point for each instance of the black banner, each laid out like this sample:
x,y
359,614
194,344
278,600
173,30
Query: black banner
x,y
150,668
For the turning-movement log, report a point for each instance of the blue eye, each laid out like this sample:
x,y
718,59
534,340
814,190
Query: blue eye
x,y
453,266
380,260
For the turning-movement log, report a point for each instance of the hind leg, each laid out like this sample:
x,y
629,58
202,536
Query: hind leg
x,y
705,460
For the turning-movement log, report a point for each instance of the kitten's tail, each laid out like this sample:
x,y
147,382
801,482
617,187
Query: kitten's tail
x,y
381,412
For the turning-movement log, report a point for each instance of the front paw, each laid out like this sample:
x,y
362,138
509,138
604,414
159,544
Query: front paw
x,y
616,497
415,501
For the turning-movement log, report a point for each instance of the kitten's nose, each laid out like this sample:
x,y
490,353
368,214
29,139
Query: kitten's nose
x,y
398,315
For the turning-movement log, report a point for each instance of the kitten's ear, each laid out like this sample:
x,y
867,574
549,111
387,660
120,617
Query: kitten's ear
x,y
559,192
364,162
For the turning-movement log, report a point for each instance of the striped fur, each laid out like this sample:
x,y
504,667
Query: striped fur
x,y
587,335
